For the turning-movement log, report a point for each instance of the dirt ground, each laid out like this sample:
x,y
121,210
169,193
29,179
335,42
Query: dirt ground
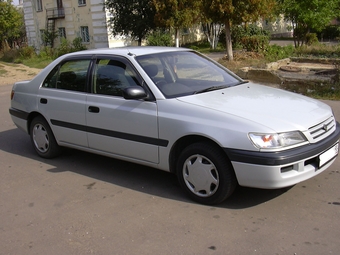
x,y
11,73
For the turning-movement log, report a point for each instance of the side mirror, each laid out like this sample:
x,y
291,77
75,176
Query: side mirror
x,y
135,92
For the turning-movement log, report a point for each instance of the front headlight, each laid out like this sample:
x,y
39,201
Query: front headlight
x,y
277,141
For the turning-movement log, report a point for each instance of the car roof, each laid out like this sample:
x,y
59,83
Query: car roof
x,y
133,51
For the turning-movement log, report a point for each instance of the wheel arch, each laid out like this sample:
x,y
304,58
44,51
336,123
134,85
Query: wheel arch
x,y
185,141
31,117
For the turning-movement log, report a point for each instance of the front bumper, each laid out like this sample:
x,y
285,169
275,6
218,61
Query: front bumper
x,y
281,169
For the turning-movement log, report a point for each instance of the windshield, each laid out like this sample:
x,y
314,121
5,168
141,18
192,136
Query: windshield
x,y
185,73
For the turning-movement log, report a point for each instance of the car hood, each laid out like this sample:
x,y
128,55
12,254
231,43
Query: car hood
x,y
276,109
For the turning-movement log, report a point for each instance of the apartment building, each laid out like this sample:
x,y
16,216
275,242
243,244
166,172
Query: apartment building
x,y
71,19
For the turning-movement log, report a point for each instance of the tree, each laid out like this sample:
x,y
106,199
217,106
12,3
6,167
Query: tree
x,y
307,15
212,31
11,23
176,14
133,18
236,12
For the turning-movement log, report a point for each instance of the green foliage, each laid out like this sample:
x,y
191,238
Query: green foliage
x,y
275,52
176,14
133,18
203,47
309,15
331,32
311,39
77,44
37,62
237,12
46,52
64,48
48,37
27,52
237,32
11,23
256,43
10,55
67,47
319,50
159,38
251,38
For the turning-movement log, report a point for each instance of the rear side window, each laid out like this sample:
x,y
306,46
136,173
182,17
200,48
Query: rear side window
x,y
70,75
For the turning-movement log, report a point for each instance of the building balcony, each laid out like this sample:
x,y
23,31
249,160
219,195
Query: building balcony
x,y
55,13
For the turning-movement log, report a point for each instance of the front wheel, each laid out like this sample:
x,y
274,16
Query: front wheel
x,y
43,139
205,173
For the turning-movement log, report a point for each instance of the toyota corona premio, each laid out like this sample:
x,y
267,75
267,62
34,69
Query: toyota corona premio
x,y
178,111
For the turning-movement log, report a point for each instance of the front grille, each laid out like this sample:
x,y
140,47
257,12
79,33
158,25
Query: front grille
x,y
323,129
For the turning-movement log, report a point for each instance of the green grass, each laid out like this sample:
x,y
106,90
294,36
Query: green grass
x,y
36,62
2,72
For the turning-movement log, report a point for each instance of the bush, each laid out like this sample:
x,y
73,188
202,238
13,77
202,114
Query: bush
x,y
311,39
46,52
247,37
256,43
64,48
77,44
159,38
27,52
67,47
275,52
11,55
330,32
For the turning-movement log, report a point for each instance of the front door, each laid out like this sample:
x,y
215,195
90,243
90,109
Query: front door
x,y
124,128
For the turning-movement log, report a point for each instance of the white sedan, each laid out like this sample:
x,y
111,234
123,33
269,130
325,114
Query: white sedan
x,y
178,111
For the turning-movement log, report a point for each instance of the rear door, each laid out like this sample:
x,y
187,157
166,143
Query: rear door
x,y
125,128
62,100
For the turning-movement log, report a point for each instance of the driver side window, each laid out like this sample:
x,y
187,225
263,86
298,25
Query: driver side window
x,y
111,77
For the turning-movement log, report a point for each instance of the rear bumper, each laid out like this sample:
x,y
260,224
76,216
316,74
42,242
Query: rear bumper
x,y
281,169
19,118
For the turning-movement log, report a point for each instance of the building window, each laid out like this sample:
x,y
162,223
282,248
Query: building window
x,y
62,33
39,6
85,36
81,2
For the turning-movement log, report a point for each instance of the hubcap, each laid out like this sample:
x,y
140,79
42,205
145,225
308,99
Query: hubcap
x,y
40,138
200,176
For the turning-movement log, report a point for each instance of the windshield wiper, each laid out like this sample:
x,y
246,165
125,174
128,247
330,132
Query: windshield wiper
x,y
211,89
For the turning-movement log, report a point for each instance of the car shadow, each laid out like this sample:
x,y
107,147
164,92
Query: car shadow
x,y
128,175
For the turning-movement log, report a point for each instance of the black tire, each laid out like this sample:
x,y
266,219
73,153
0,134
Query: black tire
x,y
43,139
205,173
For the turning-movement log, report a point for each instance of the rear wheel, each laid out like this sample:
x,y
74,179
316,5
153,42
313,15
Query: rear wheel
x,y
205,173
43,139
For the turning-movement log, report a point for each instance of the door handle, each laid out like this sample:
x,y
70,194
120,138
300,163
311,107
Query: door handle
x,y
93,109
43,100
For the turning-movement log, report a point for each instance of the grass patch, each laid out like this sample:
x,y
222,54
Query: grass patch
x,y
37,62
2,72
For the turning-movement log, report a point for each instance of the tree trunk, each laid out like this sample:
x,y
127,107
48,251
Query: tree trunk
x,y
177,37
139,41
229,46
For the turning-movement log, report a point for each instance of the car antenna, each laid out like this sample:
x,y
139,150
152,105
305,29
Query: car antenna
x,y
131,54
